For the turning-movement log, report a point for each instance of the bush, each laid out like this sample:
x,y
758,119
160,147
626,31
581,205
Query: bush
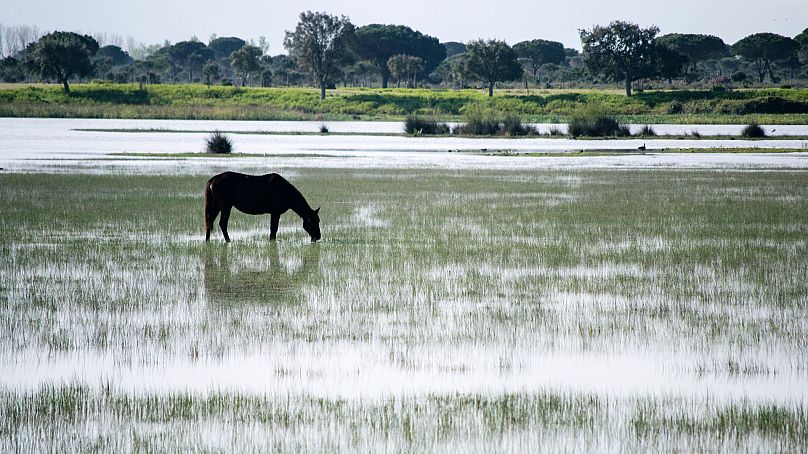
x,y
512,125
218,143
675,107
480,123
592,123
489,122
738,77
418,125
753,131
647,131
323,129
555,131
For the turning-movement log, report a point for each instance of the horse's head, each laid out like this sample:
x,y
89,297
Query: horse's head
x,y
311,225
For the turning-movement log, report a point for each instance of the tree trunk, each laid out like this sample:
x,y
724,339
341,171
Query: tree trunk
x,y
385,78
490,88
322,89
65,85
628,86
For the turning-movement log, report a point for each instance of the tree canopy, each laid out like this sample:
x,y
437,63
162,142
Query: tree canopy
x,y
223,47
696,48
404,65
619,51
191,55
115,54
323,44
378,42
491,61
246,61
764,48
537,52
61,55
453,48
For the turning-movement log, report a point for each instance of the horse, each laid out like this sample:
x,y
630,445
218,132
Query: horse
x,y
256,194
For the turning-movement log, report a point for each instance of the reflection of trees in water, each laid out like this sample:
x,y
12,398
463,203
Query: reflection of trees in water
x,y
231,281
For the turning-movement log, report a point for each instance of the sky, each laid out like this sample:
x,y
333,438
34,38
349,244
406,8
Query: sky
x,y
153,21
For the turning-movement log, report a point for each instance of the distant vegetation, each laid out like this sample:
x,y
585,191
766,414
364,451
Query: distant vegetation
x,y
328,51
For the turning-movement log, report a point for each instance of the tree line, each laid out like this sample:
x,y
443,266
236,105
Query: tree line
x,y
325,50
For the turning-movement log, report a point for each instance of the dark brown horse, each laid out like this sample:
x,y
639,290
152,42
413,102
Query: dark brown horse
x,y
256,194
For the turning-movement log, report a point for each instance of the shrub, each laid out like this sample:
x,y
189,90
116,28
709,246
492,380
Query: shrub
x,y
695,133
218,143
323,129
555,131
480,123
675,107
418,125
753,131
490,122
647,131
592,123
738,77
513,126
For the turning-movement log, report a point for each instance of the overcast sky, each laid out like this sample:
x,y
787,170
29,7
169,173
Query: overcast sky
x,y
153,21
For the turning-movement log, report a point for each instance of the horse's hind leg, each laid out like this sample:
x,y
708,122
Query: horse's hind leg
x,y
223,222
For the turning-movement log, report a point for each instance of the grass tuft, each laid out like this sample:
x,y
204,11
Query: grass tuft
x,y
218,143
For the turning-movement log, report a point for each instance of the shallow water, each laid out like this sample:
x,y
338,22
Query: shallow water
x,y
446,283
36,144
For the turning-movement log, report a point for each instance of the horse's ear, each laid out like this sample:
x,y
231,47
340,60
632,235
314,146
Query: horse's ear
x,y
317,210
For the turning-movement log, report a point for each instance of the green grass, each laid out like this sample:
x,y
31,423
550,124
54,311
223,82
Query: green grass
x,y
767,106
448,276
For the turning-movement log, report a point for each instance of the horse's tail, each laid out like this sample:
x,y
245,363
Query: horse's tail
x,y
210,208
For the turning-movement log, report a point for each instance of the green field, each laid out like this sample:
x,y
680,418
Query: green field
x,y
409,326
768,106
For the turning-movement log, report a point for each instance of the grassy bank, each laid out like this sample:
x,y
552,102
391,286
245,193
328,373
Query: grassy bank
x,y
767,106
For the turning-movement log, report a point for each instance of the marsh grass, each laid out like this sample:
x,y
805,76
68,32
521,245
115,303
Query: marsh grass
x,y
442,276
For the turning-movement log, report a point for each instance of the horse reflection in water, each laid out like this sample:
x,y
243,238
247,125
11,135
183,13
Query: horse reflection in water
x,y
240,281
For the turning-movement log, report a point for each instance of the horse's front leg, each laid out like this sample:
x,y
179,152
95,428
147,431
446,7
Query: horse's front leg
x,y
273,225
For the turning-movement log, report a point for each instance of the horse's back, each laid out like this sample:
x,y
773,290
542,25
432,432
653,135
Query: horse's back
x,y
252,194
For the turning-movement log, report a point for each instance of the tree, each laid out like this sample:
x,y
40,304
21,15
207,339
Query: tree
x,y
211,71
695,47
115,54
61,55
360,72
668,63
620,51
11,70
377,43
802,39
404,65
246,61
491,61
764,48
537,52
453,48
191,55
223,48
323,45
